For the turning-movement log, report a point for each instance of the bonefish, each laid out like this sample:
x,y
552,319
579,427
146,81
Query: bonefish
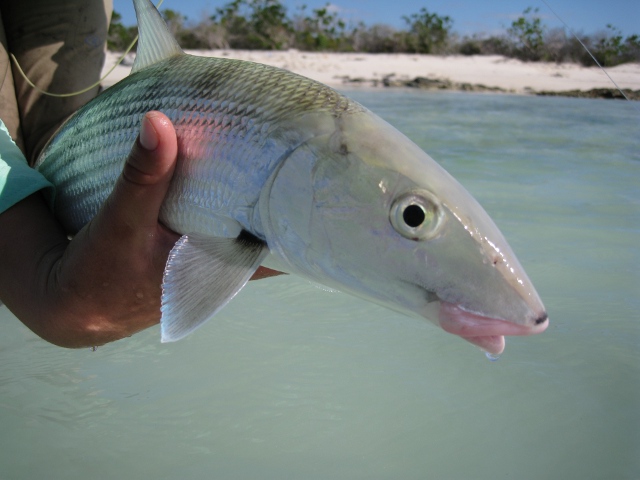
x,y
276,169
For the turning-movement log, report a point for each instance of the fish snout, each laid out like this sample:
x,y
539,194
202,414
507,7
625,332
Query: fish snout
x,y
542,319
486,332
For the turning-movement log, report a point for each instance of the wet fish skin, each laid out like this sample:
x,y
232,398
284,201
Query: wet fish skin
x,y
280,170
232,126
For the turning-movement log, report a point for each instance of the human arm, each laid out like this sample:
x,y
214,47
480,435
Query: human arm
x,y
105,284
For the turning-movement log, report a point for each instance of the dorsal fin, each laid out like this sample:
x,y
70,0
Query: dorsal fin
x,y
155,42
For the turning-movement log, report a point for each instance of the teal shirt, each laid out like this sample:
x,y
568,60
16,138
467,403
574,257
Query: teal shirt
x,y
17,179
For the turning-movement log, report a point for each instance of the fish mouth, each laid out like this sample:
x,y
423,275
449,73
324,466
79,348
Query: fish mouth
x,y
485,332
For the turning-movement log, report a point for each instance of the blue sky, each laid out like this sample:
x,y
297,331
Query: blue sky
x,y
469,16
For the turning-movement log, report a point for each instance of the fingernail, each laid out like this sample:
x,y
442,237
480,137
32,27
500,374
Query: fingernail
x,y
148,136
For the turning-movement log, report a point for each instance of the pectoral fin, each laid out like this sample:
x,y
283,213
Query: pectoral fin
x,y
202,275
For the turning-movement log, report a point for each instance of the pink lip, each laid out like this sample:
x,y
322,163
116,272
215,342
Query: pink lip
x,y
485,332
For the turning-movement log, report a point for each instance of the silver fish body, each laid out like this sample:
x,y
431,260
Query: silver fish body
x,y
234,128
325,188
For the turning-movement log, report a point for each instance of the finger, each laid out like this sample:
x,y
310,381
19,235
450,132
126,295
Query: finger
x,y
140,190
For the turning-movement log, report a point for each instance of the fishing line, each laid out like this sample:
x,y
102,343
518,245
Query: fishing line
x,y
586,48
121,59
79,92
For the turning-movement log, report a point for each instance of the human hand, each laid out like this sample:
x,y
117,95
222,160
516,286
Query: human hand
x,y
105,284
109,278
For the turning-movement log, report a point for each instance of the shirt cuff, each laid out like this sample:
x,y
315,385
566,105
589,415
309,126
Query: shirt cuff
x,y
17,179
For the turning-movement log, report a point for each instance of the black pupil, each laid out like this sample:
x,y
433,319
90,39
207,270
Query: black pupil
x,y
413,216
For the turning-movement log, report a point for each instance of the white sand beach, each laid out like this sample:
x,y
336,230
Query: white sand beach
x,y
370,69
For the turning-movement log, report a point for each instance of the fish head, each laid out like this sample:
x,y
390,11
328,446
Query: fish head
x,y
363,209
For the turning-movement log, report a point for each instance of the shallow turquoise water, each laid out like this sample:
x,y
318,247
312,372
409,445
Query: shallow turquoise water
x,y
294,382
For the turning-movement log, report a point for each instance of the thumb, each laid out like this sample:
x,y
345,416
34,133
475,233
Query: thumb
x,y
140,190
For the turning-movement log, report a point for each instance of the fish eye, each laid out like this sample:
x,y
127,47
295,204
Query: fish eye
x,y
416,215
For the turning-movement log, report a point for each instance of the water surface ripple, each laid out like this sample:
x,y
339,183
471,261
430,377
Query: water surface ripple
x,y
294,382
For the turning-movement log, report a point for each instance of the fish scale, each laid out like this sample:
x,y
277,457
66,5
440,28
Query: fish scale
x,y
277,169
224,111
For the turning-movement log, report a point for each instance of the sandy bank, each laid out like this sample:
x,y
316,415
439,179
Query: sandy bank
x,y
372,69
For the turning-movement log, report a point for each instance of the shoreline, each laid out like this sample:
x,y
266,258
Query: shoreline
x,y
491,73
